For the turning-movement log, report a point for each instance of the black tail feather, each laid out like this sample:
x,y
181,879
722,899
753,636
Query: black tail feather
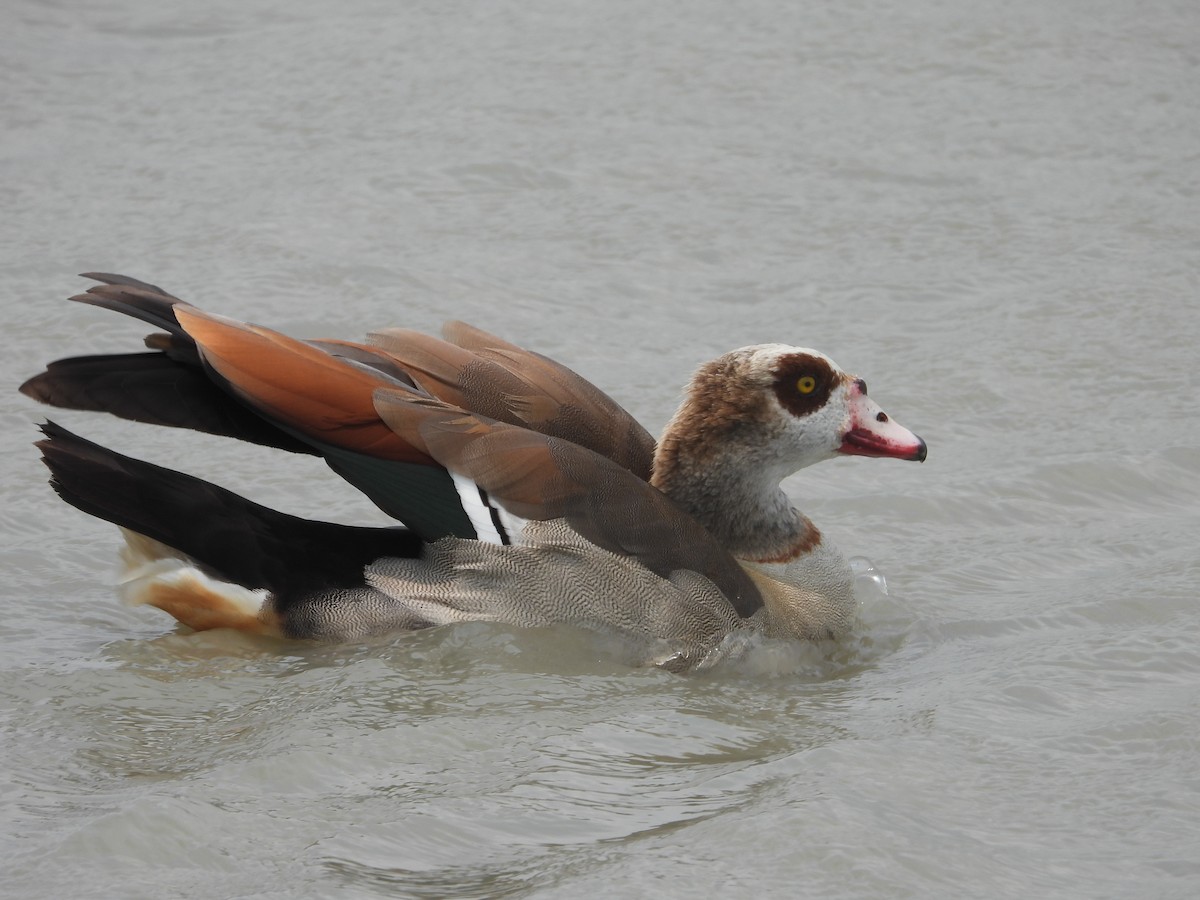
x,y
233,538
143,301
153,388
127,281
169,387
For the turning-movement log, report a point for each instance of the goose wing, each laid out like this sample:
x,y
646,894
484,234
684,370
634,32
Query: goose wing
x,y
540,477
480,372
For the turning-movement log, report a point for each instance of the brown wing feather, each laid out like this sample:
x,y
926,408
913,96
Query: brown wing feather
x,y
540,477
618,435
469,337
440,367
297,385
480,372
367,356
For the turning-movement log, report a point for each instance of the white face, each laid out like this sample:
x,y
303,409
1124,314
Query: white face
x,y
824,411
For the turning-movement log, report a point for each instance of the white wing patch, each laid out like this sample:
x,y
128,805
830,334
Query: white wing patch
x,y
487,525
513,525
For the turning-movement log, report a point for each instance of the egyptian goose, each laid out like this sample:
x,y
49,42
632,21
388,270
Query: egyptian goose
x,y
527,495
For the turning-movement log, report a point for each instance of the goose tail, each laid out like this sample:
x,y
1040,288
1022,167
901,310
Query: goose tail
x,y
207,556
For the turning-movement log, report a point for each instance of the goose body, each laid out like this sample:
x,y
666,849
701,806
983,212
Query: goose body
x,y
526,494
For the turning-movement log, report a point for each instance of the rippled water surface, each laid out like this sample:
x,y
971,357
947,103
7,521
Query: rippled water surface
x,y
990,212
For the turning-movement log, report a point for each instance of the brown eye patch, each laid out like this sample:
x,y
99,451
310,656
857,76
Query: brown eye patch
x,y
803,383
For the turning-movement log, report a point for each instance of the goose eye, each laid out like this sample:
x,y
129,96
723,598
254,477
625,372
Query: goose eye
x,y
806,384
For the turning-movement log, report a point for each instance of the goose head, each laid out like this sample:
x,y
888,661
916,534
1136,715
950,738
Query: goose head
x,y
824,410
754,416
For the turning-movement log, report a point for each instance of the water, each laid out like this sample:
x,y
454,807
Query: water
x,y
989,212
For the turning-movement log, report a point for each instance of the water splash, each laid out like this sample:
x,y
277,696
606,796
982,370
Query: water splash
x,y
866,575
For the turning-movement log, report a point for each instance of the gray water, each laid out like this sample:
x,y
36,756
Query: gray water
x,y
989,211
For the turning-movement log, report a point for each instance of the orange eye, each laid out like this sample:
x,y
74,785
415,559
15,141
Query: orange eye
x,y
806,384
